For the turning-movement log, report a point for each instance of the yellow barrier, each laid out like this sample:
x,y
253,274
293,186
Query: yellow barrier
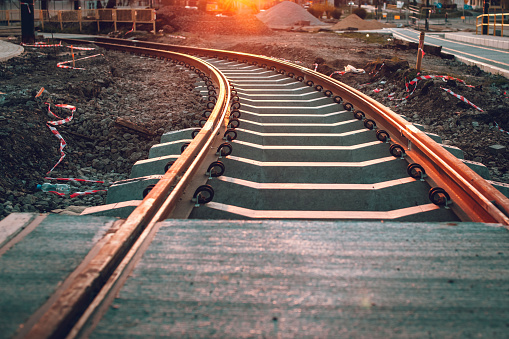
x,y
134,16
494,24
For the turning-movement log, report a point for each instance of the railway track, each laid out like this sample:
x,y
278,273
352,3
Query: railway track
x,y
278,141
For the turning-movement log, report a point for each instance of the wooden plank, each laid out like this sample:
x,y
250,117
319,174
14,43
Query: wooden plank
x,y
128,124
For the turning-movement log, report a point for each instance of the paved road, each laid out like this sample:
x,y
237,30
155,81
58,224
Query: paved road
x,y
497,59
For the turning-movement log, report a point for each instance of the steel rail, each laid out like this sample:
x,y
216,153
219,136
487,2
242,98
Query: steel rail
x,y
58,320
474,199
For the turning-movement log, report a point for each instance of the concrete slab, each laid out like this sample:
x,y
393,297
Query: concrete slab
x,y
281,153
311,172
151,166
9,50
310,139
368,172
130,189
478,168
167,148
38,263
383,196
481,40
316,279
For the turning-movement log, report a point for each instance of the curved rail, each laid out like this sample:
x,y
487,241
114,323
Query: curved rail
x,y
474,198
154,207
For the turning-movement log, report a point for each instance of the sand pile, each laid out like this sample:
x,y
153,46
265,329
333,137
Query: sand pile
x,y
353,21
288,13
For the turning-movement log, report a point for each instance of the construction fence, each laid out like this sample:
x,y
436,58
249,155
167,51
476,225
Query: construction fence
x,y
134,16
493,23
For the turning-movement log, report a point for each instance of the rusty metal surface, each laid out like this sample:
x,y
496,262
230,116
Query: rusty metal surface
x,y
233,279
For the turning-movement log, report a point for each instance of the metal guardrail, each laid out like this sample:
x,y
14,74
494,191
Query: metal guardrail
x,y
134,16
491,22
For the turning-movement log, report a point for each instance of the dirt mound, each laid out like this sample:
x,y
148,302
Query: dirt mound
x,y
355,22
288,14
174,19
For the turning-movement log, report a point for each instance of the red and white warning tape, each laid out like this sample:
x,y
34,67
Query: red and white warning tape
x,y
76,194
131,30
75,179
41,45
81,48
444,77
61,64
462,98
55,132
500,128
337,72
425,77
377,71
27,4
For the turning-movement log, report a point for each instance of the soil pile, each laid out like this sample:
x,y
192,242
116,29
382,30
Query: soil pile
x,y
112,86
175,19
353,21
288,14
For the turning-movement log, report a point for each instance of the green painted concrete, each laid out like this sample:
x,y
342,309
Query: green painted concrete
x,y
390,170
151,166
478,168
283,279
370,152
32,269
167,148
130,189
332,116
177,135
363,135
394,197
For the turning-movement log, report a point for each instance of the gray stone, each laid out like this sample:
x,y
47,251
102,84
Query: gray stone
x,y
497,149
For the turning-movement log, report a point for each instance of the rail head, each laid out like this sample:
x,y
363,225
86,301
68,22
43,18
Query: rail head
x,y
474,198
479,200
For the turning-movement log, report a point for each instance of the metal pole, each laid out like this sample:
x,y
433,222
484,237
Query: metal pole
x,y
426,25
27,21
485,18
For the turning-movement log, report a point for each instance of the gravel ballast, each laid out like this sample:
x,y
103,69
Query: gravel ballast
x,y
153,94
